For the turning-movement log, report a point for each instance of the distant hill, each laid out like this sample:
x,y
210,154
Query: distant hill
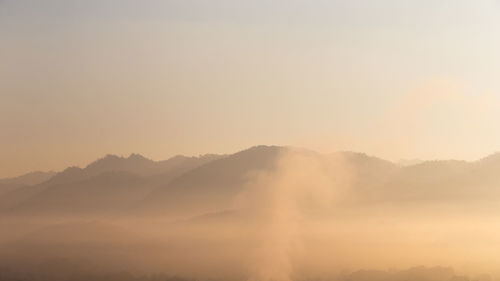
x,y
195,186
444,181
32,178
213,186
102,185
135,164
106,192
29,178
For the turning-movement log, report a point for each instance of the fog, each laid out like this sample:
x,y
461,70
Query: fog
x,y
263,140
288,214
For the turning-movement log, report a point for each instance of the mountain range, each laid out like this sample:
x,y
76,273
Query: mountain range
x,y
193,186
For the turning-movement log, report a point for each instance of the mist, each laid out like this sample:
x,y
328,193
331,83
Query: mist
x,y
262,214
227,140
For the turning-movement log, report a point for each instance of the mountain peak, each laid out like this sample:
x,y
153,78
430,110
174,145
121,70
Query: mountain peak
x,y
178,157
110,156
136,156
113,160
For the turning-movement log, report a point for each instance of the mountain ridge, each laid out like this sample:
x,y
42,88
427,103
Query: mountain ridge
x,y
192,186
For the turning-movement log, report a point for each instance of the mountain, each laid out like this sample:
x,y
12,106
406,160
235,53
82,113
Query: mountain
x,y
448,181
9,184
211,189
213,186
183,187
366,173
106,192
430,180
109,183
135,164
29,178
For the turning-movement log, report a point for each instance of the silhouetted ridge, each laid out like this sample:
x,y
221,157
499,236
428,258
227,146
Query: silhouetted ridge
x,y
191,186
135,163
214,185
108,191
29,178
11,184
109,183
70,174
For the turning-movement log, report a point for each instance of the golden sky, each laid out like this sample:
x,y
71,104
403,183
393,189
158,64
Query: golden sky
x,y
396,79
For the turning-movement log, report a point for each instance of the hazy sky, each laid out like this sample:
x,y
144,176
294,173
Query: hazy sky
x,y
397,79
